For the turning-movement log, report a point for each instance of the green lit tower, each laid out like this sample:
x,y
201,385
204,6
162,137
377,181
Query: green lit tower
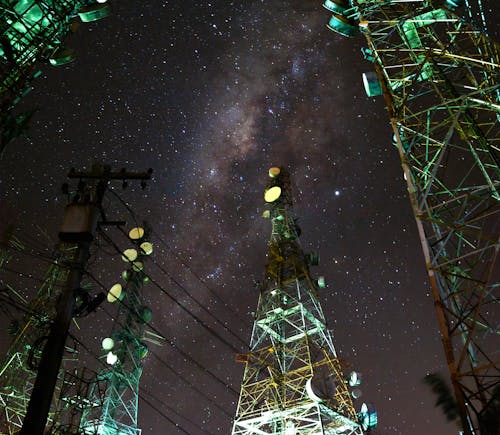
x,y
293,381
440,76
114,410
18,369
33,31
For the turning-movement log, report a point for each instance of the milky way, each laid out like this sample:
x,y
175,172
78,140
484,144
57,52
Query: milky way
x,y
210,95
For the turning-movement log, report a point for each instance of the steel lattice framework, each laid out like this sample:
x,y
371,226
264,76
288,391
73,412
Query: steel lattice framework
x,y
293,381
440,79
115,411
19,367
32,31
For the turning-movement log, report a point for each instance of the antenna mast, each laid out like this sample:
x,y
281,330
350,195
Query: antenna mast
x,y
440,77
293,381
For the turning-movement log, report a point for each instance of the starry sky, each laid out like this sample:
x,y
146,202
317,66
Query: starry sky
x,y
210,95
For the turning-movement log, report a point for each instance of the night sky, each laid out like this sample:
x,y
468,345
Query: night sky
x,y
210,95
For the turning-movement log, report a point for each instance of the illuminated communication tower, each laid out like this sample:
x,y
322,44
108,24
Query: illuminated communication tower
x,y
440,77
34,31
19,366
116,413
293,381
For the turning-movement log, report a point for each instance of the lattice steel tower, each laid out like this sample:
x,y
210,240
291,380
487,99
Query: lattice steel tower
x,y
19,366
34,31
293,381
117,412
440,79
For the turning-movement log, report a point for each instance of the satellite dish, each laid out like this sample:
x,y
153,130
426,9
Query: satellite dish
x,y
62,56
368,416
313,258
129,255
335,5
136,233
143,350
108,343
145,314
272,194
310,392
354,379
147,248
137,266
356,394
274,172
342,25
94,12
115,293
320,387
290,428
111,358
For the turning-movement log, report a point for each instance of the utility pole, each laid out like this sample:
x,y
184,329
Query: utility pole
x,y
80,221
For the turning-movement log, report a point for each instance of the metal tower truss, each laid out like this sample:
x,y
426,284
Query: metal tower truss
x,y
116,412
31,31
440,79
81,390
293,381
19,367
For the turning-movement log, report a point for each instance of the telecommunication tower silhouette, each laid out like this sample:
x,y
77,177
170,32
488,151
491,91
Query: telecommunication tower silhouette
x,y
439,73
293,381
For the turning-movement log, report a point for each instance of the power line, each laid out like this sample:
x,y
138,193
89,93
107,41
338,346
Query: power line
x,y
172,410
191,385
8,301
174,345
173,299
178,258
179,375
199,278
166,417
199,303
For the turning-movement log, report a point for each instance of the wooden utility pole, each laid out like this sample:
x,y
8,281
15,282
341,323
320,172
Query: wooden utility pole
x,y
80,221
